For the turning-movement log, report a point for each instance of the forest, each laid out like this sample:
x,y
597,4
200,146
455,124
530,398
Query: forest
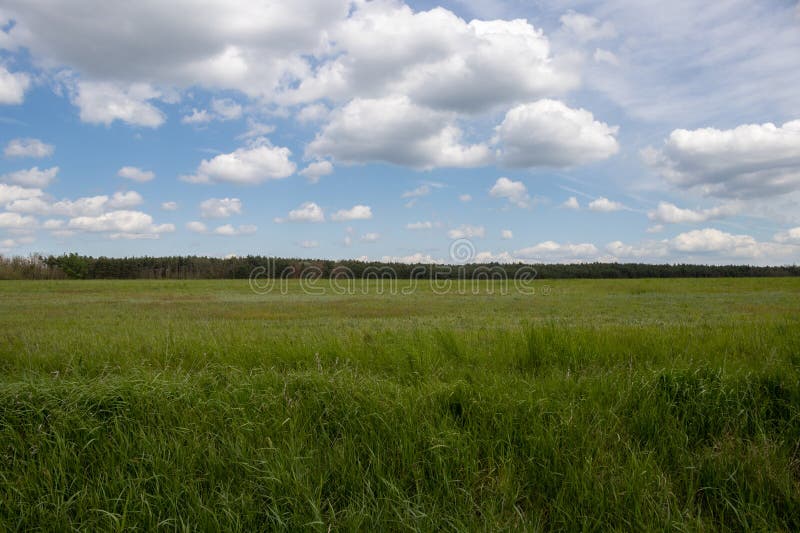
x,y
76,266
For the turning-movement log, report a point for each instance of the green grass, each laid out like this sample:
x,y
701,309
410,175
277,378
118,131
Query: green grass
x,y
592,405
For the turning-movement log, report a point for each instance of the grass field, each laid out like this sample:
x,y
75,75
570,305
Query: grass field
x,y
624,405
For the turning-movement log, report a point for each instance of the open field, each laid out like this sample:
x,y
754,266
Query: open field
x,y
624,404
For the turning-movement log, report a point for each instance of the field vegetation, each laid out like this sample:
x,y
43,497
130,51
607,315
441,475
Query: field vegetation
x,y
590,405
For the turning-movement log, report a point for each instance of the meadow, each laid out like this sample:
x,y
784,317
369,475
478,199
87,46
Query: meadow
x,y
649,404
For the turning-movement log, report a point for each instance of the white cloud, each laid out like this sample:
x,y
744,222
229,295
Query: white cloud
x,y
571,203
32,201
386,47
308,244
32,177
136,174
28,148
411,259
121,200
465,197
370,237
314,171
514,191
553,251
13,86
604,205
196,227
222,109
16,221
604,56
53,224
121,224
228,230
307,212
548,133
257,163
11,193
103,103
422,190
256,129
587,28
506,234
655,228
467,231
220,207
392,129
755,160
252,47
313,113
169,206
198,116
357,212
791,235
668,213
720,243
643,252
226,109
419,225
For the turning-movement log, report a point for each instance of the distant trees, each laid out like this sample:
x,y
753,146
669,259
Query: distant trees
x,y
75,266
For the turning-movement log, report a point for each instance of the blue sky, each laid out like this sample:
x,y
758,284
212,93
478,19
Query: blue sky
x,y
383,130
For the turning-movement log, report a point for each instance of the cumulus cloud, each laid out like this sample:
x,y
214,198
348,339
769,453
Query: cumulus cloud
x,y
105,102
32,177
393,129
252,47
754,160
121,224
548,133
227,230
514,191
220,207
357,212
604,205
667,213
586,28
198,116
506,234
169,206
307,212
720,243
32,201
386,47
316,170
571,203
196,227
11,193
465,197
370,237
419,225
28,148
260,161
16,221
222,109
136,174
467,231
554,251
791,235
415,258
418,192
13,86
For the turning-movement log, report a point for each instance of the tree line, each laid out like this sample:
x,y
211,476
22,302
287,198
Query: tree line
x,y
75,266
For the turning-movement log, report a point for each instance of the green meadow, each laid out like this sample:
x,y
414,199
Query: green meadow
x,y
626,405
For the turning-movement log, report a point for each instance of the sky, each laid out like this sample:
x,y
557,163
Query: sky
x,y
626,130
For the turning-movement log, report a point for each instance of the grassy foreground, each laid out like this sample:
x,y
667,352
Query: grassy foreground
x,y
625,405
